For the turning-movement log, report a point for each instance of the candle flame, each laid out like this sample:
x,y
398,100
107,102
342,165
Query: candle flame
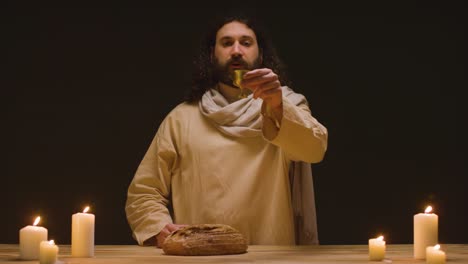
x,y
380,238
428,209
37,220
437,247
86,209
51,242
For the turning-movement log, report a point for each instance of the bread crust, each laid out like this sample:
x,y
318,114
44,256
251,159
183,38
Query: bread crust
x,y
205,240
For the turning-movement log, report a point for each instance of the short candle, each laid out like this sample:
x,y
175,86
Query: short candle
x,y
377,248
48,252
434,255
30,239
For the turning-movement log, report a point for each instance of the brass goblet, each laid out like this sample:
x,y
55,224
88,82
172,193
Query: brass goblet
x,y
237,77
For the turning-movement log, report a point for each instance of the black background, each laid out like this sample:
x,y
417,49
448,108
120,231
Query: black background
x,y
86,89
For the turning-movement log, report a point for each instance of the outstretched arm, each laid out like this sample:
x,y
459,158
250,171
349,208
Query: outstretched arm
x,y
288,122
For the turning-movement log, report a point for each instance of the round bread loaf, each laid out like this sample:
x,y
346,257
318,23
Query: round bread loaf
x,y
204,240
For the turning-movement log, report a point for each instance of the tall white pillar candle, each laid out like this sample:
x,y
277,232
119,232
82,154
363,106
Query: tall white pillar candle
x,y
30,239
376,248
425,232
434,255
82,234
48,252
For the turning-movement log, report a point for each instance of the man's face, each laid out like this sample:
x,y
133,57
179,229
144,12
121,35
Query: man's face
x,y
236,48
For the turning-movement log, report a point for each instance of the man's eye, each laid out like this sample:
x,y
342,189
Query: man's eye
x,y
247,43
226,43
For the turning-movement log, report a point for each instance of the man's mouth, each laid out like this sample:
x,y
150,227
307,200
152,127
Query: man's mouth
x,y
237,65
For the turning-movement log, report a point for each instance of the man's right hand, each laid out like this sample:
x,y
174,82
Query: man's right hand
x,y
166,231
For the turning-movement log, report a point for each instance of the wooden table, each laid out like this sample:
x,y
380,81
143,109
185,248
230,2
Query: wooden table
x,y
324,254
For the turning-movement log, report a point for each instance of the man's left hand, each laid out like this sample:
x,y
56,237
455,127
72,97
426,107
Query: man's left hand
x,y
264,84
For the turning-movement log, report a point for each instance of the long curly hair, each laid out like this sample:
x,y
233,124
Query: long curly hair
x,y
204,78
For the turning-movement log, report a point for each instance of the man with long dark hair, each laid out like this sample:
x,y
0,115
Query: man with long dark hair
x,y
230,157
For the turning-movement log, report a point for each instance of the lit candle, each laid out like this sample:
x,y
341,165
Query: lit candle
x,y
425,232
48,252
30,239
82,234
434,255
376,248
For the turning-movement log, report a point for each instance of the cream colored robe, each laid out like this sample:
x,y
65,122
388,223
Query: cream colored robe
x,y
206,176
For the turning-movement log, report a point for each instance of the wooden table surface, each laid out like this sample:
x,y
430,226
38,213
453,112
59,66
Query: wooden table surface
x,y
324,254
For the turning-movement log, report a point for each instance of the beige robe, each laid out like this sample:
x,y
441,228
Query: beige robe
x,y
206,176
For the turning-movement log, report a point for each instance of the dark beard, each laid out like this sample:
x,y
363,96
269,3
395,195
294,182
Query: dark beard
x,y
222,73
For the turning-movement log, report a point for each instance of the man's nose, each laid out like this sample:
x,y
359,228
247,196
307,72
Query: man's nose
x,y
236,50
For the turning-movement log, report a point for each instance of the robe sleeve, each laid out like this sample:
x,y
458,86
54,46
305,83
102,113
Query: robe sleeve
x,y
299,134
149,192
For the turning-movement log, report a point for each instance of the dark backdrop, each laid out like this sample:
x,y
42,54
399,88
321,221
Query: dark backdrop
x,y
86,90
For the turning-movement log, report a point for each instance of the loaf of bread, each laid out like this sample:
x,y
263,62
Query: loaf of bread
x,y
204,240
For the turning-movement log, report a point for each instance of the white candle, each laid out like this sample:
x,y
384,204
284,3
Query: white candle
x,y
425,232
376,248
82,234
434,255
48,252
30,239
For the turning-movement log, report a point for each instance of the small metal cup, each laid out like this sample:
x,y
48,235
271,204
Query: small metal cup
x,y
237,77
